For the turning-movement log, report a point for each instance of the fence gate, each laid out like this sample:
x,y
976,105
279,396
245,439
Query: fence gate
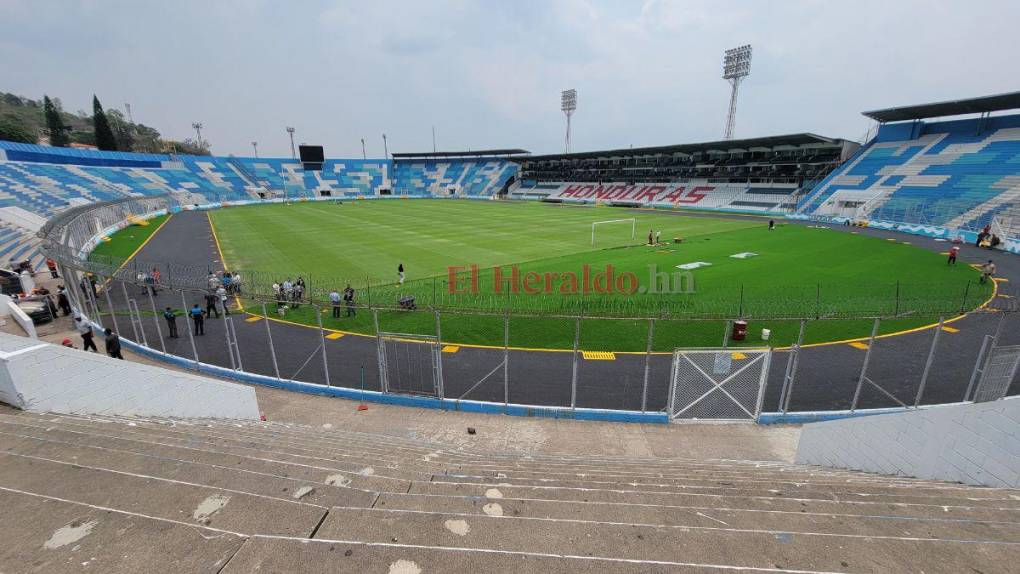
x,y
718,384
410,364
998,373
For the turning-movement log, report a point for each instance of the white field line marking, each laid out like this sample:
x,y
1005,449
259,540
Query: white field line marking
x,y
676,526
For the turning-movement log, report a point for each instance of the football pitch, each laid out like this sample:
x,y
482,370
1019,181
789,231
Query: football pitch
x,y
793,272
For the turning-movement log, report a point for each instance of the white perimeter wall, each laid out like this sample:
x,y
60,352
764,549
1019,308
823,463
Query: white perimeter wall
x,y
41,376
970,443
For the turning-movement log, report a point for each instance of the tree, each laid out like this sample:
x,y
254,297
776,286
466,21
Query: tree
x,y
13,129
54,123
104,135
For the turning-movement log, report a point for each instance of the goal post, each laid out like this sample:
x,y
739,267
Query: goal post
x,y
633,227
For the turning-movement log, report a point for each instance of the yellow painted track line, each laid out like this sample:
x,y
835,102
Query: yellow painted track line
x,y
137,249
223,260
143,244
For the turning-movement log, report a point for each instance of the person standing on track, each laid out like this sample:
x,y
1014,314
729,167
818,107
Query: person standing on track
x,y
210,304
952,255
171,321
86,334
52,266
199,319
221,294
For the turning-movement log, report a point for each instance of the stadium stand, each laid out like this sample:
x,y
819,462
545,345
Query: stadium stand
x,y
151,494
957,174
752,175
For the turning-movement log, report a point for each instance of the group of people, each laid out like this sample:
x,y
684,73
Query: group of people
x,y
348,301
229,281
654,237
288,291
985,238
111,339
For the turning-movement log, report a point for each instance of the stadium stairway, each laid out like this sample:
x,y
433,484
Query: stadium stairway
x,y
117,494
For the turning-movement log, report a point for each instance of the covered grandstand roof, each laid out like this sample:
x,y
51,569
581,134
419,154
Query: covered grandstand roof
x,y
445,154
983,104
724,145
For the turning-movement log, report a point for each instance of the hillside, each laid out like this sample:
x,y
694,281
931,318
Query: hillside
x,y
22,120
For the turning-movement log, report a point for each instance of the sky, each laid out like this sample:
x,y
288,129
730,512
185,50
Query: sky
x,y
488,74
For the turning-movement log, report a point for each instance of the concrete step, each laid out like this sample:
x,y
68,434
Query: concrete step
x,y
789,504
562,492
715,545
757,474
322,492
182,437
161,498
977,524
53,536
248,459
274,555
812,489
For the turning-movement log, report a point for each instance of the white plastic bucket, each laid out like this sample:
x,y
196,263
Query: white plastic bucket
x,y
765,333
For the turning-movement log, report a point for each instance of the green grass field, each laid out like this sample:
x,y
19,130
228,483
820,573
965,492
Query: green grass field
x,y
798,272
127,240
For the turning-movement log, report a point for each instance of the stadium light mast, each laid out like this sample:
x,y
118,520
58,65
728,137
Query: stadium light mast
x,y
198,131
290,131
568,103
385,147
363,154
127,107
255,148
736,67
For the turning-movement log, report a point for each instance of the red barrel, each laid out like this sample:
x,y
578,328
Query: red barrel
x,y
739,331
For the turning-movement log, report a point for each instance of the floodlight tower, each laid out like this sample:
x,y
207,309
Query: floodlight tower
x,y
198,131
290,131
736,67
568,103
255,148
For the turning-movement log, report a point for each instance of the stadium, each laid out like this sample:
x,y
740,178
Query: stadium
x,y
784,353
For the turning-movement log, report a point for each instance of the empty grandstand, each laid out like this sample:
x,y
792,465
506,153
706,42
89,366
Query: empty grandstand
x,y
940,177
758,175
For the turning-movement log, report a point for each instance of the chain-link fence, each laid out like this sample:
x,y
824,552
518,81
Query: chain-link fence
x,y
911,346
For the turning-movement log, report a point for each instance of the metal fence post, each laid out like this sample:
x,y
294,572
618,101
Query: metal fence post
x,y
506,362
155,319
864,367
726,334
791,370
269,335
127,302
109,303
978,366
648,365
384,383
929,361
439,355
189,327
322,339
230,343
573,371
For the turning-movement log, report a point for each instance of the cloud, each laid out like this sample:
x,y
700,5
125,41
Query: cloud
x,y
488,73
